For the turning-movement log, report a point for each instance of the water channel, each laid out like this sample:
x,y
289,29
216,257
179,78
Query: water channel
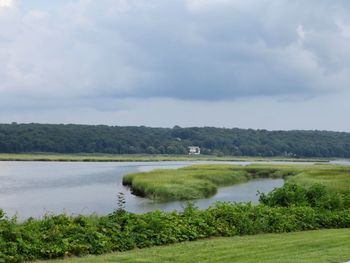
x,y
31,189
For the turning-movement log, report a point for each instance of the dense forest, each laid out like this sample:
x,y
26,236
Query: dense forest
x,y
71,138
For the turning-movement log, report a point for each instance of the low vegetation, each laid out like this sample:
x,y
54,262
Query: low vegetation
x,y
320,246
315,196
186,183
201,181
62,235
140,158
334,177
294,207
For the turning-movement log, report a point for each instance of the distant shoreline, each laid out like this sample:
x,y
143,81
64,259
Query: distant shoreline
x,y
54,157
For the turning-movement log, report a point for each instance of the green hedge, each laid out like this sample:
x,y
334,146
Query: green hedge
x,y
62,235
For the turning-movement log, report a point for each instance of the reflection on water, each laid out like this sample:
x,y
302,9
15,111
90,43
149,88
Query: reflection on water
x,y
35,188
245,192
341,162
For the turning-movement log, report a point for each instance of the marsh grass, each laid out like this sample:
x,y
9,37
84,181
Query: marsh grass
x,y
202,181
336,178
182,184
101,157
193,182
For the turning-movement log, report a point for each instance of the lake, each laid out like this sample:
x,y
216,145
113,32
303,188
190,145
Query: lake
x,y
32,189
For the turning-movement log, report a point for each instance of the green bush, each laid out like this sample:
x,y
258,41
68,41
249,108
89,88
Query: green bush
x,y
62,235
316,196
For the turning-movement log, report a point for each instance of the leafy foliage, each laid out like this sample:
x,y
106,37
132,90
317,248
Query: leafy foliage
x,y
62,235
317,246
21,138
315,196
290,208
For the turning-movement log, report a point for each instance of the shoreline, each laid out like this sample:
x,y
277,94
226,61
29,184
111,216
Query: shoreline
x,y
53,157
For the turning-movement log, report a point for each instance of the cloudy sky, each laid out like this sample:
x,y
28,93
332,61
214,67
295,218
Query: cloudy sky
x,y
267,64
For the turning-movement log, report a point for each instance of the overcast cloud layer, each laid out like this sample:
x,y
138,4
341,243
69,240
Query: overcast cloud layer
x,y
167,62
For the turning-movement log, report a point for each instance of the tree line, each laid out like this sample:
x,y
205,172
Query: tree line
x,y
72,138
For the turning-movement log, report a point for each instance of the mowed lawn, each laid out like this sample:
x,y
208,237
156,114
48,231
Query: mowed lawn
x,y
309,246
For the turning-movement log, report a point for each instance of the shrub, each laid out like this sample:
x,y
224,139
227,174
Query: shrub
x,y
316,196
62,235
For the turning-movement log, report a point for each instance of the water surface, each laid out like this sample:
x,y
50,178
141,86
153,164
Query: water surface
x,y
35,188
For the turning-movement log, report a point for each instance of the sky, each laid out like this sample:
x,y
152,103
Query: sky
x,y
261,64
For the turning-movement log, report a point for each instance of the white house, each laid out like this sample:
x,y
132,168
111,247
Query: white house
x,y
194,150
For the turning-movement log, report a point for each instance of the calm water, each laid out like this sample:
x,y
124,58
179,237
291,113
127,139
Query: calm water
x,y
341,162
35,188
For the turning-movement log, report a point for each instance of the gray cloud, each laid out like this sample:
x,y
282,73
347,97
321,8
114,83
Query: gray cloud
x,y
323,113
85,52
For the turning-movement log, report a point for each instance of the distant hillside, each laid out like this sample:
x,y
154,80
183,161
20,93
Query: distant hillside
x,y
18,138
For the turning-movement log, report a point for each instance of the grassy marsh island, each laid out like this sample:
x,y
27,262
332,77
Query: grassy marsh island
x,y
202,181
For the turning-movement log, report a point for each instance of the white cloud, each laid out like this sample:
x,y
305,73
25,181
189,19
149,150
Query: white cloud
x,y
301,34
197,5
6,3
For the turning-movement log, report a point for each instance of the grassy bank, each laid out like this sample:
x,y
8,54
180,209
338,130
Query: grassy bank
x,y
335,178
201,181
62,235
139,158
309,247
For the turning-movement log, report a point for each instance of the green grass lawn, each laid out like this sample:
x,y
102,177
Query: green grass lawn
x,y
309,246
